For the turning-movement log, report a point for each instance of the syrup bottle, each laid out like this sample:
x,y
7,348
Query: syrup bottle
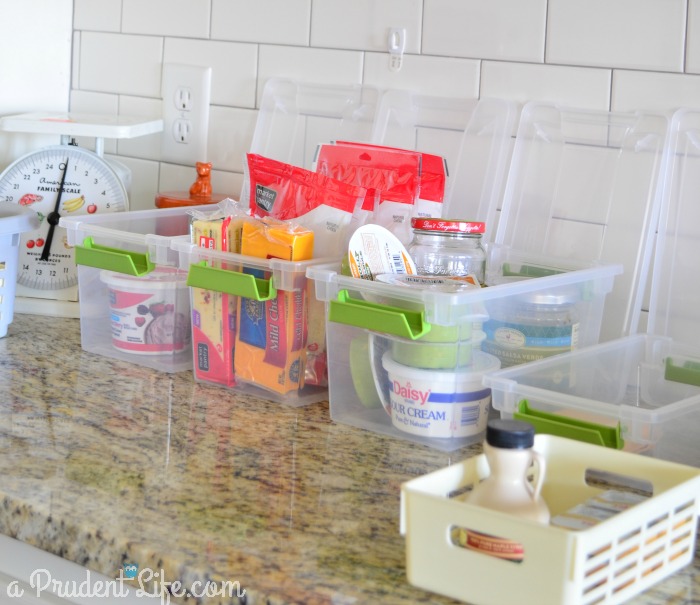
x,y
509,453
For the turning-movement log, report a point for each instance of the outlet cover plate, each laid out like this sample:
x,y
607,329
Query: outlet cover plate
x,y
194,83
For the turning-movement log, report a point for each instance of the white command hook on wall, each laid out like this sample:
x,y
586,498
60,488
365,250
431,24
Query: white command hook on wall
x,y
397,46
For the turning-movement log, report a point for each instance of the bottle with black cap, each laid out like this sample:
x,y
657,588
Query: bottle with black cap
x,y
509,452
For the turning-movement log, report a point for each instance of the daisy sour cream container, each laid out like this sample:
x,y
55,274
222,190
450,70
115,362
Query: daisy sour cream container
x,y
440,403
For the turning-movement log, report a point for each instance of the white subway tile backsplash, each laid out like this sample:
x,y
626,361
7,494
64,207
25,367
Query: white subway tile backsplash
x,y
324,66
95,103
187,18
75,61
365,24
436,76
634,90
145,147
234,67
122,64
508,30
692,53
173,177
144,182
570,86
97,15
263,21
35,56
635,34
227,183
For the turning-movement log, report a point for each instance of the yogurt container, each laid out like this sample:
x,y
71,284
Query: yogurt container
x,y
438,403
149,314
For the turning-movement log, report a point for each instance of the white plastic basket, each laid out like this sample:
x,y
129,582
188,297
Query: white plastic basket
x,y
607,563
14,220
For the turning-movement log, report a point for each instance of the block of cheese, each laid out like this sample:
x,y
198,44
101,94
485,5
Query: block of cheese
x,y
270,349
214,313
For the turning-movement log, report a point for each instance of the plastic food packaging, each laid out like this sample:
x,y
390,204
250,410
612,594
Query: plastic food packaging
x,y
394,174
374,250
433,181
315,201
147,312
271,335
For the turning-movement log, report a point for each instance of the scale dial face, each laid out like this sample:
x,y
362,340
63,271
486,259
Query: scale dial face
x,y
46,262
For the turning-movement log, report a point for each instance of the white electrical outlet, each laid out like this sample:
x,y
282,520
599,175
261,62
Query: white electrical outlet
x,y
186,94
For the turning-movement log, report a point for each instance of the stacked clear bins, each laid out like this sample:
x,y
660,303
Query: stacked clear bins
x,y
134,300
579,204
14,220
608,562
639,393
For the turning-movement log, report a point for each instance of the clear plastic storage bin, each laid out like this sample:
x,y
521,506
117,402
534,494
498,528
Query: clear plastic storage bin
x,y
14,220
570,182
609,562
134,300
281,357
639,393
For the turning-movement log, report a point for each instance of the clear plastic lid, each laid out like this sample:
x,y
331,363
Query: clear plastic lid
x,y
584,185
295,117
675,288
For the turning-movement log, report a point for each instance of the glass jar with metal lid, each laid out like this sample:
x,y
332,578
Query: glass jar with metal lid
x,y
448,247
531,326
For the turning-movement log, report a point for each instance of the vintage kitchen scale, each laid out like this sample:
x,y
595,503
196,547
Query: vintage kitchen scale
x,y
63,180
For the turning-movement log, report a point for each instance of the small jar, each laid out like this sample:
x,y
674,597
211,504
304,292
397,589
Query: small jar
x,y
448,247
531,326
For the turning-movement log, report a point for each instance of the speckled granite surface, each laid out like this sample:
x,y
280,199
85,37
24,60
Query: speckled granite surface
x,y
104,462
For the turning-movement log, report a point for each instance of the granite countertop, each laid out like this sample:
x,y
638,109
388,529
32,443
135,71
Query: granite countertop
x,y
104,462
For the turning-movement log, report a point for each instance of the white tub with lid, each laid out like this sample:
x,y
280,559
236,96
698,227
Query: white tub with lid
x,y
146,312
440,403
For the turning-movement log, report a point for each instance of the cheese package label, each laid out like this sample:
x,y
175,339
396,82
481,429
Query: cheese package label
x,y
270,349
214,313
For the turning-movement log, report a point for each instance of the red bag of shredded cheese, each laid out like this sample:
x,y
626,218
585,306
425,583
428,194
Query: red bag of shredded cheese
x,y
318,202
393,173
433,181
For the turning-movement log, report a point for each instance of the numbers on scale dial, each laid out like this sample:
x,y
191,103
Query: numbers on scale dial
x,y
90,186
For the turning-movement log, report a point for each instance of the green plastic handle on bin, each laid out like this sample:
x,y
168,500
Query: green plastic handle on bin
x,y
529,271
377,317
572,428
201,275
127,262
687,373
